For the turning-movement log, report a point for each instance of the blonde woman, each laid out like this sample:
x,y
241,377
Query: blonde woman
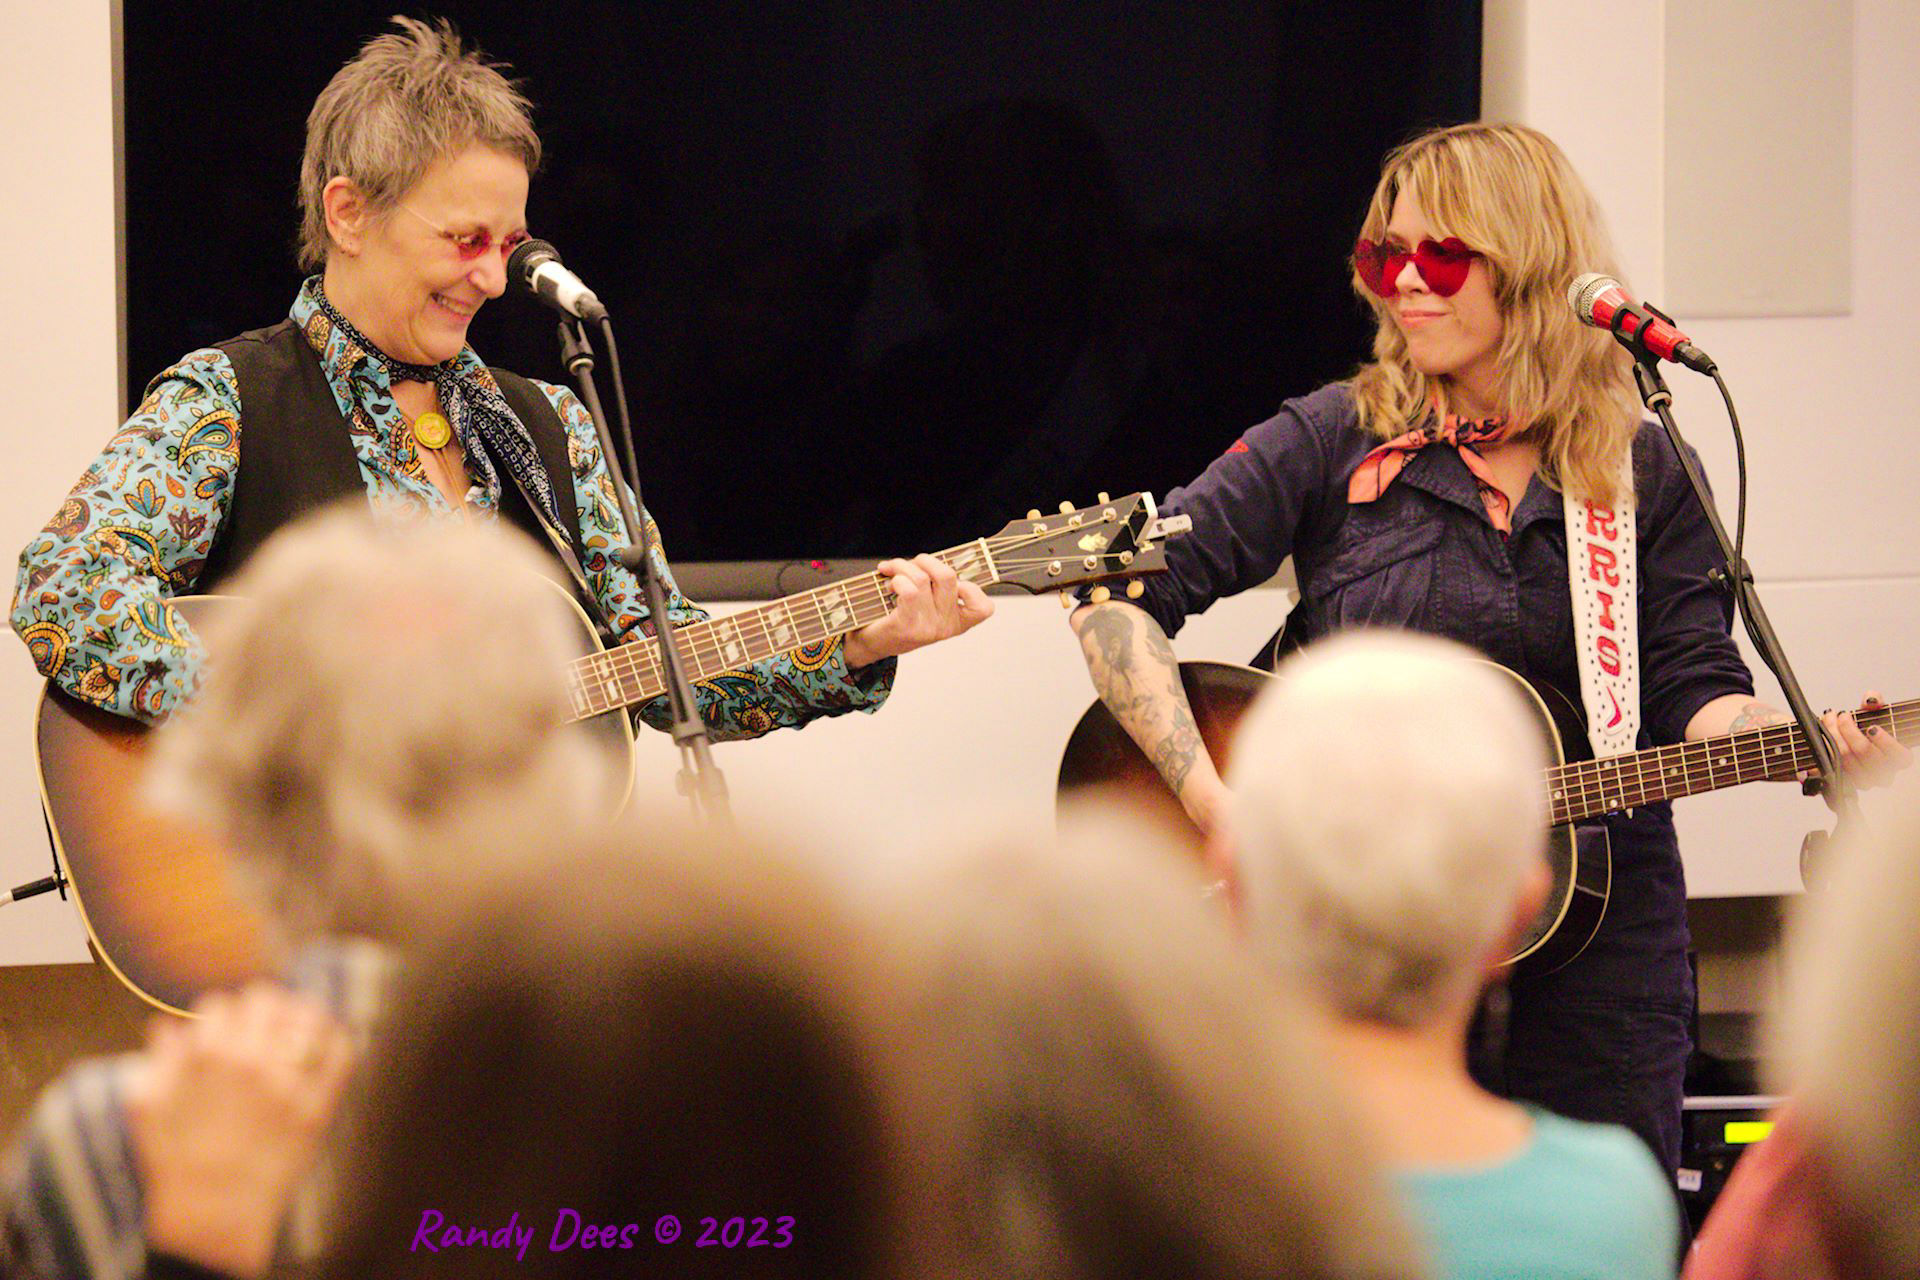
x,y
1428,493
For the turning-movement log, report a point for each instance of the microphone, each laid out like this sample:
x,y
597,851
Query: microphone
x,y
535,267
1602,302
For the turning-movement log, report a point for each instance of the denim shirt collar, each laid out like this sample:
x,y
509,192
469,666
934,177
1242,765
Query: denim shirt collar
x,y
1441,473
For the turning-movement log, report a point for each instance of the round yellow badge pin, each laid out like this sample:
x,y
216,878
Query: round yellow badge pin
x,y
432,430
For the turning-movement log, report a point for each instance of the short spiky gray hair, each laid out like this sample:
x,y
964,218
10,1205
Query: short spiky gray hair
x,y
408,98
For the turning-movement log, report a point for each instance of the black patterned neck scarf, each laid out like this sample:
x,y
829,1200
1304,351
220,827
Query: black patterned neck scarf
x,y
479,414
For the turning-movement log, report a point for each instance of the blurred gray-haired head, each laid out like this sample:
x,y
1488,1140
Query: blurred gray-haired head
x,y
1135,1097
1389,807
1847,1041
374,697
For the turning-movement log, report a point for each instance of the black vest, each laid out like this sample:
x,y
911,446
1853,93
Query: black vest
x,y
297,450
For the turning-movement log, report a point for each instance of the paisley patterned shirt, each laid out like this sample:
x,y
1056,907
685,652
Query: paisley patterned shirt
x,y
92,596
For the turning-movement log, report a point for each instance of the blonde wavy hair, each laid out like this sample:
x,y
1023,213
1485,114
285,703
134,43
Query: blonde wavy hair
x,y
1510,194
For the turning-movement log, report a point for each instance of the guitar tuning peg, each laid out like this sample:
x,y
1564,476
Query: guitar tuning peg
x,y
1136,589
1065,508
1034,514
1100,595
1103,498
1067,601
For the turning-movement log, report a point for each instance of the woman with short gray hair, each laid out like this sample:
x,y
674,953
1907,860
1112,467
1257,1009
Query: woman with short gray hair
x,y
407,100
413,194
1387,829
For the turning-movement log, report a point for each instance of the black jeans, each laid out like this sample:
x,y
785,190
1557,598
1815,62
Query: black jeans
x,y
1581,1050
1594,1058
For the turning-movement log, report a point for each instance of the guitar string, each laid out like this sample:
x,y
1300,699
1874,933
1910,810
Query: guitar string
x,y
1711,757
1779,748
1585,786
710,640
707,641
704,648
1746,745
1593,792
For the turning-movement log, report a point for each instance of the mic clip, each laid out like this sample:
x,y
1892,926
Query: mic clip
x,y
1722,579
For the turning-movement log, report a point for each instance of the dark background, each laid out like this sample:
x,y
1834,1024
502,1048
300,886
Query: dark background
x,y
885,274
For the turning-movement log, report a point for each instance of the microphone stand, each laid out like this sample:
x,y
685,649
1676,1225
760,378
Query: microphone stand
x,y
699,779
1830,783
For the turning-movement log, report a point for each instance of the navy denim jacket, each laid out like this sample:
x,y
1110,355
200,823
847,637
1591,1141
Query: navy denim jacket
x,y
1425,556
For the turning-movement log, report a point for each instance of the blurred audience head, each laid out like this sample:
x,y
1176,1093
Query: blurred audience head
x,y
1136,1099
1388,820
376,698
608,1036
1848,1040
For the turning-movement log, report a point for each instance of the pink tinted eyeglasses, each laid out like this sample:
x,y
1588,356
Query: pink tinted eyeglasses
x,y
471,244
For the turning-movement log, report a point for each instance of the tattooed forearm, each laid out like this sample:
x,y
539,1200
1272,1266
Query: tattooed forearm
x,y
1107,639
1755,715
1176,752
1137,675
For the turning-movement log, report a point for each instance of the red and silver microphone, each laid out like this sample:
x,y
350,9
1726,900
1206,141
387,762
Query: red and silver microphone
x,y
1602,302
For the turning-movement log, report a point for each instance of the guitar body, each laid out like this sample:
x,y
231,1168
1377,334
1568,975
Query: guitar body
x,y
154,894
1101,758
152,890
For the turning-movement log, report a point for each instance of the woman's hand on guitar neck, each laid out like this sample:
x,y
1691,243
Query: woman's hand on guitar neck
x,y
1137,676
1871,757
934,604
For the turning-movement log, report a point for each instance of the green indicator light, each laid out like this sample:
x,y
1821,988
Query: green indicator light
x,y
1742,1132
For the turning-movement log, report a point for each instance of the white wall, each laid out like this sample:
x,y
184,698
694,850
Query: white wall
x,y
1831,465
59,363
976,726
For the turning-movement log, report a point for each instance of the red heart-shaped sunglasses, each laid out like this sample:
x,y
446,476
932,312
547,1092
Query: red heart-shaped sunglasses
x,y
1443,264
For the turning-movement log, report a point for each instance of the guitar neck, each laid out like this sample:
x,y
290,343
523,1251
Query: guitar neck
x,y
1778,752
631,673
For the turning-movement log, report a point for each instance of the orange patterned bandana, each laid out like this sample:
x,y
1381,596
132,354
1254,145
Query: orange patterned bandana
x,y
1380,468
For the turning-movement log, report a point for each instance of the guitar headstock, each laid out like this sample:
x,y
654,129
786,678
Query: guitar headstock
x,y
1115,538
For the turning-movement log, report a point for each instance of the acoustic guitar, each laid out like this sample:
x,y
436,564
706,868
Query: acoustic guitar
x,y
1100,754
153,892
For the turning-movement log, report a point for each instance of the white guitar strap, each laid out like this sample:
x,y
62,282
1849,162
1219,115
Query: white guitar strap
x,y
1602,571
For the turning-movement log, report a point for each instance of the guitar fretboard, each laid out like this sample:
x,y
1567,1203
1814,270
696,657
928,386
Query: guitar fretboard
x,y
630,673
1590,788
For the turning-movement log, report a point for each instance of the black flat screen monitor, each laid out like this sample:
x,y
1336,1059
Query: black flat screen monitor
x,y
884,275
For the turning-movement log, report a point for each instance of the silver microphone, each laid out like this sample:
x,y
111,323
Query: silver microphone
x,y
535,266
